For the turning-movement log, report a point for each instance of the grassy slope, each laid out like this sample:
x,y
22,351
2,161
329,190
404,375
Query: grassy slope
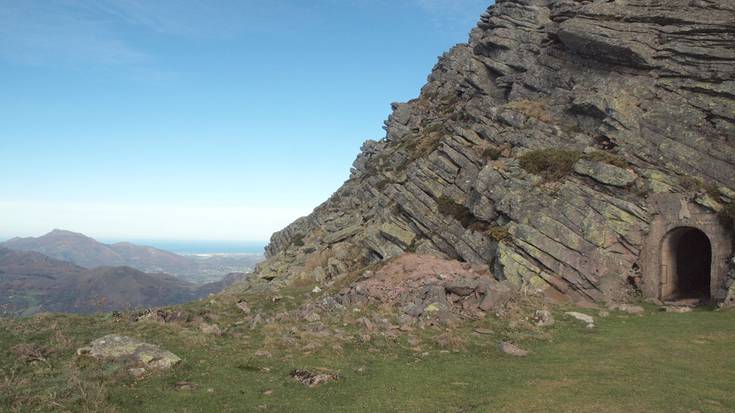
x,y
661,362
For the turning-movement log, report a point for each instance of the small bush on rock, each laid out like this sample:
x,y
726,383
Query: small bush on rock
x,y
552,164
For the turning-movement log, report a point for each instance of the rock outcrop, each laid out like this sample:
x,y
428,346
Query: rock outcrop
x,y
534,147
429,290
115,347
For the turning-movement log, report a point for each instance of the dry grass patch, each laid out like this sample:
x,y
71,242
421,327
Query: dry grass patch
x,y
532,108
551,164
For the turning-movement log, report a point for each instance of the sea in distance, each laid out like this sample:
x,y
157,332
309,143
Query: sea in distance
x,y
204,247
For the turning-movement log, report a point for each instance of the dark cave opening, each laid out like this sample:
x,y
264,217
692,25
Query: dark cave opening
x,y
693,262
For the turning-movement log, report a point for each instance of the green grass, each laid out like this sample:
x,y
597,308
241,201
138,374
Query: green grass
x,y
660,362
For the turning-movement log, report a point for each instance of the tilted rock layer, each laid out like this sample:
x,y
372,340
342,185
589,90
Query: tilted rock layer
x,y
634,97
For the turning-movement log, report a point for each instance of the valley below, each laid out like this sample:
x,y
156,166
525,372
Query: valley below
x,y
69,272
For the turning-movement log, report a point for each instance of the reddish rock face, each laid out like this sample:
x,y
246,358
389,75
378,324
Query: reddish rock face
x,y
429,288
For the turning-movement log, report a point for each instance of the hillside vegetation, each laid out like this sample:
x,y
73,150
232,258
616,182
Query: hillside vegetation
x,y
657,362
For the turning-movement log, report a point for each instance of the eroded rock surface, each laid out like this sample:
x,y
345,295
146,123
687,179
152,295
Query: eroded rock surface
x,y
430,289
642,91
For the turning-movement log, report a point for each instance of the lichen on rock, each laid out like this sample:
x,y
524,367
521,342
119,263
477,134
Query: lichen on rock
x,y
117,347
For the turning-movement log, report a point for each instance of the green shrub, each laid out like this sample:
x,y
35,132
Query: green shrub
x,y
552,164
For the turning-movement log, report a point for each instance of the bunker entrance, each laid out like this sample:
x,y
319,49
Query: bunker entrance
x,y
688,255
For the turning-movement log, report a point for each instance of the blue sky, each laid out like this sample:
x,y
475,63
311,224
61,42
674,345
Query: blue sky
x,y
194,119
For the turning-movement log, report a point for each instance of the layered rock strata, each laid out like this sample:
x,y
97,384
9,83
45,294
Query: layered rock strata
x,y
534,148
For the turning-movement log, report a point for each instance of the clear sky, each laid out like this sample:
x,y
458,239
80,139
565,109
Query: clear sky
x,y
199,119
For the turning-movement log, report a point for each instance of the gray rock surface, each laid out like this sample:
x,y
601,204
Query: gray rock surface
x,y
116,347
587,319
647,82
512,350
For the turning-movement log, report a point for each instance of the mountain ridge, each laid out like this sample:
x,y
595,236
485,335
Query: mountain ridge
x,y
31,282
89,253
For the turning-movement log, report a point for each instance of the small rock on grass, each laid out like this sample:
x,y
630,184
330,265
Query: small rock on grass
x,y
116,347
674,309
627,308
244,306
185,386
543,318
263,353
310,379
512,349
583,318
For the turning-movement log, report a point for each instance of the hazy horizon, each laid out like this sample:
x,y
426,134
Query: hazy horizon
x,y
186,120
140,241
179,246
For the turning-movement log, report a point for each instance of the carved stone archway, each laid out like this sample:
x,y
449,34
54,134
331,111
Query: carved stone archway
x,y
686,264
686,252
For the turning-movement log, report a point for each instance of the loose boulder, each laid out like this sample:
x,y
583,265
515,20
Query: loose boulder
x,y
588,319
116,347
512,350
627,308
543,318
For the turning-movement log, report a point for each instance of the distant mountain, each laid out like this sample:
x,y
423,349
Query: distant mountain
x,y
89,253
31,282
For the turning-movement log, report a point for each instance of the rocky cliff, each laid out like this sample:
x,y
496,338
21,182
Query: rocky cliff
x,y
536,147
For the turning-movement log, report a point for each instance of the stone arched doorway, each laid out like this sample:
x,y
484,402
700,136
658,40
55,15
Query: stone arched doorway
x,y
686,252
686,264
